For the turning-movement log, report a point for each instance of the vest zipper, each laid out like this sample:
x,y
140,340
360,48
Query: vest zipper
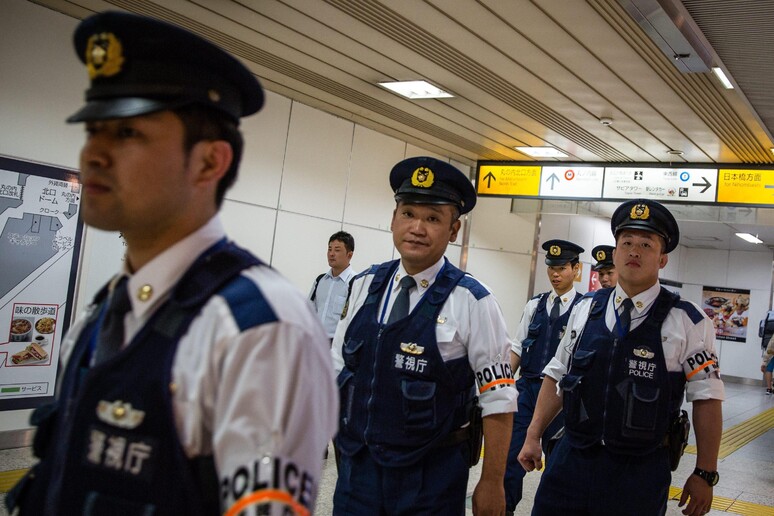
x,y
607,389
373,384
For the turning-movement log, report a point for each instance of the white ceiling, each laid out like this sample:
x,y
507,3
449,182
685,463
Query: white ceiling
x,y
523,72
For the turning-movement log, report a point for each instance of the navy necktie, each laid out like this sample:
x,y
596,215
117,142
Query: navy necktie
x,y
111,332
625,319
400,308
554,315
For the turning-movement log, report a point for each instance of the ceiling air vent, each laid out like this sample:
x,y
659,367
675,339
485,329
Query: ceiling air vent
x,y
666,22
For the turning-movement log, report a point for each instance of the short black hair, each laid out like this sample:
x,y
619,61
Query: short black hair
x,y
202,123
345,238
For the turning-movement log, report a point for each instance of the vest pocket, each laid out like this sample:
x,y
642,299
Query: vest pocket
x,y
583,358
641,410
350,351
346,395
418,404
574,408
532,335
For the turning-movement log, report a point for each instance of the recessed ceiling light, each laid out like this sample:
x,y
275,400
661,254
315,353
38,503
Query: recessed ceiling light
x,y
750,238
772,150
722,78
675,152
416,90
541,152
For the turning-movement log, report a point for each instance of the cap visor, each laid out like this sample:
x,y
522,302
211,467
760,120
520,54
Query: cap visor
x,y
419,198
557,261
120,108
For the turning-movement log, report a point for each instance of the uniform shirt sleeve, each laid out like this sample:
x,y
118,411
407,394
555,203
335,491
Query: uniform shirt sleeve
x,y
355,300
691,347
488,345
262,401
523,328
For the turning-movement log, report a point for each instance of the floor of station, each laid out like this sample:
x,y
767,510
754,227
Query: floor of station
x,y
746,464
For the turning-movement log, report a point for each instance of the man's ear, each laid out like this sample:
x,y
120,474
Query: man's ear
x,y
455,228
213,159
663,261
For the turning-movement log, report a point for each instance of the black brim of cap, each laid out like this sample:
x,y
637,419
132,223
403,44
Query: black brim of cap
x,y
557,261
423,198
603,266
121,108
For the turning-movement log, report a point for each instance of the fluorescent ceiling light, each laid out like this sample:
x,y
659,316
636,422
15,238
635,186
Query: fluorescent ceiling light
x,y
722,78
749,238
541,152
416,90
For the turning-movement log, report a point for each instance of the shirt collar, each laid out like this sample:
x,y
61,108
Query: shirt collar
x,y
345,275
567,297
424,279
157,277
641,301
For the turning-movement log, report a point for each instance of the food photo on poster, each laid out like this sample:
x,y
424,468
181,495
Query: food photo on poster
x,y
728,308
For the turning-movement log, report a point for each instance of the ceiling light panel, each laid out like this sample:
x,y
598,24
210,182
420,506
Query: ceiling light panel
x,y
416,90
541,152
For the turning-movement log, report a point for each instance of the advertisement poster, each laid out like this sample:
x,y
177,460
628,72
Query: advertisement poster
x,y
727,307
594,283
39,247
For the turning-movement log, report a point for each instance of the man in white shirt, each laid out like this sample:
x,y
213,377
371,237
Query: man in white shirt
x,y
329,291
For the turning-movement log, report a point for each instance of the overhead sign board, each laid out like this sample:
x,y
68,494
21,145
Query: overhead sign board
x,y
661,184
509,180
731,184
745,186
572,182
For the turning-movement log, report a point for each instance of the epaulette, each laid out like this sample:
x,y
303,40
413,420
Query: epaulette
x,y
475,288
690,309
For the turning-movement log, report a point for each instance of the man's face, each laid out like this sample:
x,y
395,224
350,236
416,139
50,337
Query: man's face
x,y
338,256
637,258
136,176
607,277
562,276
421,233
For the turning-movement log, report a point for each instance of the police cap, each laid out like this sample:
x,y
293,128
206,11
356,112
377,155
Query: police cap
x,y
647,215
559,252
140,65
603,254
426,180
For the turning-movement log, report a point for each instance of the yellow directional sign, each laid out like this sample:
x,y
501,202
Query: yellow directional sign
x,y
509,180
742,186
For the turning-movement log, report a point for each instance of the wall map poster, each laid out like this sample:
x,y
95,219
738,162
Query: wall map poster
x,y
40,236
727,307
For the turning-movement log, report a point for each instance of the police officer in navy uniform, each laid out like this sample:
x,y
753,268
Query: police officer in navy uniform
x,y
605,268
419,341
628,356
541,328
199,381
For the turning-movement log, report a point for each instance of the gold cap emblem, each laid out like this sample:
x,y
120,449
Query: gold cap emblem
x,y
422,177
554,250
601,255
104,55
640,212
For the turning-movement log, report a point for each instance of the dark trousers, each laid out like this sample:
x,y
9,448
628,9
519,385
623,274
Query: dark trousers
x,y
514,472
597,482
437,484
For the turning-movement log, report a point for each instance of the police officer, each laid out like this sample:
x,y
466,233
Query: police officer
x,y
605,268
542,325
200,380
622,367
419,340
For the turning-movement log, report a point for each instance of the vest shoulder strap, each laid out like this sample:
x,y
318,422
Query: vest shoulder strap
x,y
599,302
690,309
314,290
477,289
